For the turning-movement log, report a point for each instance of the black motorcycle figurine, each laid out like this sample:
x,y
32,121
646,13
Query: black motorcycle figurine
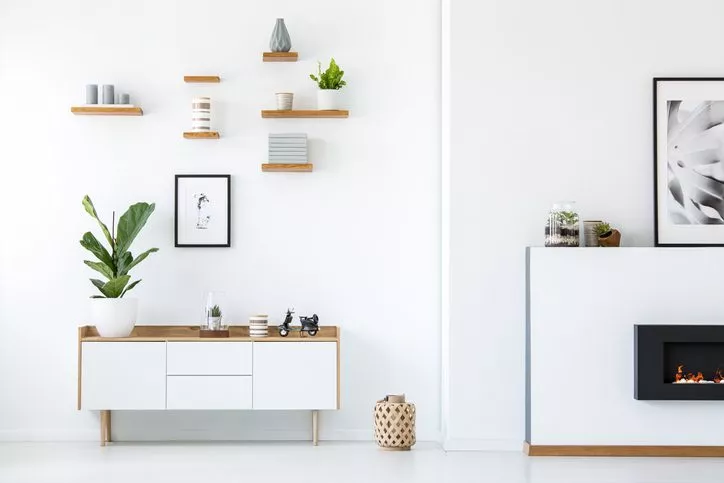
x,y
285,328
310,325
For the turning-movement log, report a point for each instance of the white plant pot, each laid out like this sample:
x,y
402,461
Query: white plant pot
x,y
329,99
114,317
214,323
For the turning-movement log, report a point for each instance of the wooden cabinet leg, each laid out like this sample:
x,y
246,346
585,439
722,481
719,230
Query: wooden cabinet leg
x,y
108,427
315,427
105,426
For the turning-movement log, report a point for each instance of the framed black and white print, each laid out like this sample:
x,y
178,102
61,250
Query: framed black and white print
x,y
689,161
203,210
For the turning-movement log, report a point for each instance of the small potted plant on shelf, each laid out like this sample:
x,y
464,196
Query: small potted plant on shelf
x,y
329,82
214,318
607,236
113,314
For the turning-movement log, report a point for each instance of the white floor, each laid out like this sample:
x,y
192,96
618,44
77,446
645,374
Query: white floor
x,y
329,462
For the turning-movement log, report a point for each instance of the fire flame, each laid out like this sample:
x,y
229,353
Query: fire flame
x,y
680,377
719,377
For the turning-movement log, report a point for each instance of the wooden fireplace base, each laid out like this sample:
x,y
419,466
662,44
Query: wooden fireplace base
x,y
631,451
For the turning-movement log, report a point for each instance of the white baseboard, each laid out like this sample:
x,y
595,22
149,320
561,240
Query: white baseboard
x,y
482,445
137,434
47,435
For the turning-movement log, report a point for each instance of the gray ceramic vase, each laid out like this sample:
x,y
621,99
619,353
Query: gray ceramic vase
x,y
280,41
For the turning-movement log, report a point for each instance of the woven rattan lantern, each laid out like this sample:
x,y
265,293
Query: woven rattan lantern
x,y
395,423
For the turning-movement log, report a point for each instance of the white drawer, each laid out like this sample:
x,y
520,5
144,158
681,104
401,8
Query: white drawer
x,y
208,392
208,359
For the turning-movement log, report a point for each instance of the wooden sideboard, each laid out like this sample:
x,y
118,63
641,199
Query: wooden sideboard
x,y
171,367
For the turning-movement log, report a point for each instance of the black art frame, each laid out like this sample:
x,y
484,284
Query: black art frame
x,y
228,211
656,82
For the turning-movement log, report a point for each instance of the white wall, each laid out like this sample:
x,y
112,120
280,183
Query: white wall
x,y
549,101
357,241
584,304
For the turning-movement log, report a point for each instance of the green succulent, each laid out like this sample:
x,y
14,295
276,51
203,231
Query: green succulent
x,y
215,311
568,217
601,229
329,79
114,264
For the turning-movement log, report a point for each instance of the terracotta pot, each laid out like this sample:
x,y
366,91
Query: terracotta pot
x,y
610,239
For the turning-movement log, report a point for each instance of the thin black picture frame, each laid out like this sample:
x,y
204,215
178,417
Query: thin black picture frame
x,y
228,212
656,81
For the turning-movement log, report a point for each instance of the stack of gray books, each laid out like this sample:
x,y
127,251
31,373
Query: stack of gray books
x,y
288,148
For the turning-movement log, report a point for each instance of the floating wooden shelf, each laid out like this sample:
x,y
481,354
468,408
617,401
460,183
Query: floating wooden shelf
x,y
280,56
307,113
202,78
201,135
117,110
287,168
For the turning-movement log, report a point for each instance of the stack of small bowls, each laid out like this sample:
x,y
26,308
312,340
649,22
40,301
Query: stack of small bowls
x,y
259,326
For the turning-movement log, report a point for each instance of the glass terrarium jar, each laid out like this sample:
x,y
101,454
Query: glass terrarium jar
x,y
213,311
562,227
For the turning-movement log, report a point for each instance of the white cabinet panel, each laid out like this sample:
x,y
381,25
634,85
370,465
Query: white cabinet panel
x,y
123,375
208,392
209,358
295,375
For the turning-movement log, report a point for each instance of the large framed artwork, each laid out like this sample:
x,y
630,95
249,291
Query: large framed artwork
x,y
203,210
689,161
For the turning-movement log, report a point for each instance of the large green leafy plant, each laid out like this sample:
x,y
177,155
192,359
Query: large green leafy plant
x,y
329,79
114,264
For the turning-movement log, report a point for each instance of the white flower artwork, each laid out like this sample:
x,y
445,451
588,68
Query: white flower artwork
x,y
695,170
689,161
203,211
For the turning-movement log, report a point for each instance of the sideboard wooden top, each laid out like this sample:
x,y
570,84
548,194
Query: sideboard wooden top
x,y
159,333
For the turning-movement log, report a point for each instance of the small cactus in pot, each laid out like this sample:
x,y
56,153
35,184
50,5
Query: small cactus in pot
x,y
607,236
214,318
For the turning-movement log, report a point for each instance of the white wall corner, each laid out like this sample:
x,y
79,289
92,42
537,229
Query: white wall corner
x,y
445,221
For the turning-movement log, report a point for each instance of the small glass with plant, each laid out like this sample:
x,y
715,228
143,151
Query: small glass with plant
x,y
329,82
562,228
213,311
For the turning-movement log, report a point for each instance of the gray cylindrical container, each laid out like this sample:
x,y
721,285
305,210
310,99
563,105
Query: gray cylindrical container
x,y
108,94
124,98
91,94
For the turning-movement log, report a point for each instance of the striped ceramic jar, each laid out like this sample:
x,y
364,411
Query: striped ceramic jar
x,y
258,326
201,114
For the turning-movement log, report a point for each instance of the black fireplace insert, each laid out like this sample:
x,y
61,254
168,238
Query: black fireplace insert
x,y
679,362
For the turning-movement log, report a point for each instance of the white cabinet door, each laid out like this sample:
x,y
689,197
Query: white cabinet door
x,y
209,358
295,375
123,375
208,392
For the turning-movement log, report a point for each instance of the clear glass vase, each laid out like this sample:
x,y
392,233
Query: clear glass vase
x,y
214,305
562,227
